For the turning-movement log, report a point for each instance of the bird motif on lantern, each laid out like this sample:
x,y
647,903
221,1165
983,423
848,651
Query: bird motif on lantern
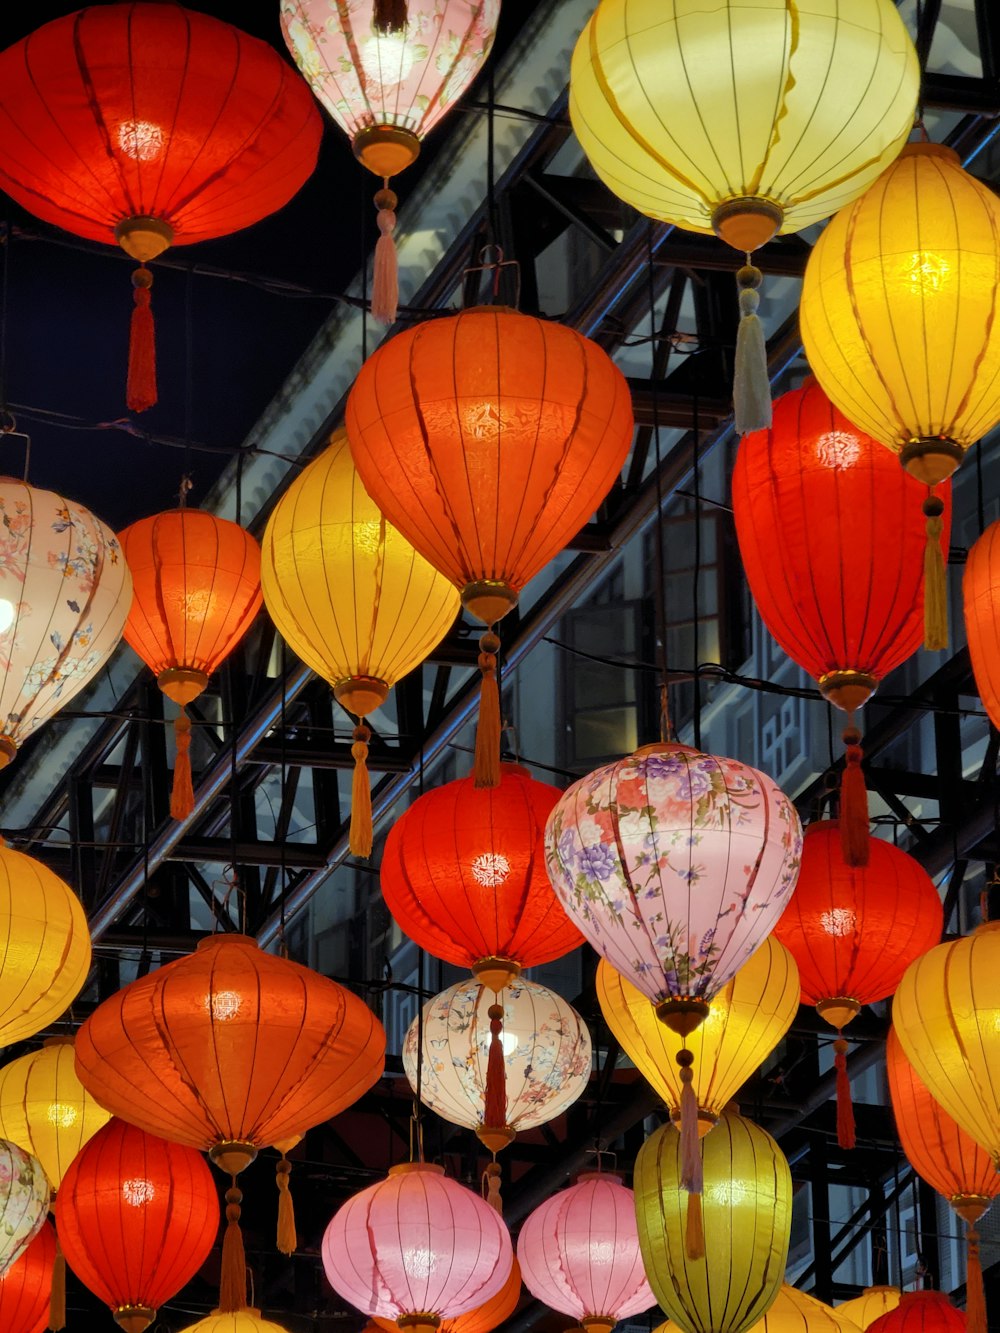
x,y
483,1319
745,1022
624,847
352,598
115,146
64,595
835,553
24,1202
137,1219
387,71
25,1287
854,930
197,591
489,438
579,1253
369,1248
729,118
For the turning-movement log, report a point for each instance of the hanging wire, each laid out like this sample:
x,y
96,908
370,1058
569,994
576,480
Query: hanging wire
x,y
666,728
188,371
491,202
696,588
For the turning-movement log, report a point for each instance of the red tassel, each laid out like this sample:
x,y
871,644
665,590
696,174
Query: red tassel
x,y
495,1108
845,1109
487,764
233,1282
975,1296
182,795
854,834
141,389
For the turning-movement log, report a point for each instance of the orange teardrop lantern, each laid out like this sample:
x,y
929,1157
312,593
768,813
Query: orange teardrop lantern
x,y
197,589
488,439
26,1286
948,1159
854,930
150,125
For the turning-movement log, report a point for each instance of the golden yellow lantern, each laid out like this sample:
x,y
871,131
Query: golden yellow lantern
x,y
45,1109
794,1311
745,1022
872,1304
747,1212
44,946
946,1014
351,597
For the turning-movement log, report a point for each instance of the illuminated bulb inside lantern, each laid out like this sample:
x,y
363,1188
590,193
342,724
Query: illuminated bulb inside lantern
x,y
490,869
140,139
418,1262
138,1192
837,449
510,1042
7,613
926,272
62,1115
387,58
839,921
223,1005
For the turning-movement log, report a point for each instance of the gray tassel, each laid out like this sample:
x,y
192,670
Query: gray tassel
x,y
751,385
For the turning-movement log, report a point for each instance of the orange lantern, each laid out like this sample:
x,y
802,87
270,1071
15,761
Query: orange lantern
x,y
25,1287
981,604
197,589
483,1319
150,125
873,1302
948,1159
488,439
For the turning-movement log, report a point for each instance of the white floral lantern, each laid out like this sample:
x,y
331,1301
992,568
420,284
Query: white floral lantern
x,y
24,1202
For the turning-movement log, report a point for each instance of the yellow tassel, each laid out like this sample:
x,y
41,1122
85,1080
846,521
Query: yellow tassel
x,y
287,1239
57,1297
182,796
694,1231
975,1296
487,765
935,579
233,1282
492,1181
855,840
360,838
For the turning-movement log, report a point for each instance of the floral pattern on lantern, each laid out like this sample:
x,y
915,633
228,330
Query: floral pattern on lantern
x,y
24,1201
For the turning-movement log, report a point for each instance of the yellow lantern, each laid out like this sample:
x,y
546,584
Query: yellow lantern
x,y
351,597
794,1311
747,1203
745,1022
44,946
872,1304
242,1321
45,1109
946,1014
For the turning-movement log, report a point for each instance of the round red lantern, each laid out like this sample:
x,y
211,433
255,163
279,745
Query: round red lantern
x,y
981,605
26,1287
853,931
921,1312
488,439
196,580
137,1218
149,125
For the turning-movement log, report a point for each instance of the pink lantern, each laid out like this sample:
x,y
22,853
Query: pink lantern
x,y
579,1254
417,1247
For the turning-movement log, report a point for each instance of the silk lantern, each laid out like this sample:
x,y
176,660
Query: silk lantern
x,y
794,1311
352,598
921,1312
197,591
483,1319
416,1247
137,1219
854,930
835,554
150,125
873,1302
948,1159
64,595
24,1201
730,118
387,71
745,1022
25,1286
489,438
981,607
44,946
747,1218
675,865
579,1254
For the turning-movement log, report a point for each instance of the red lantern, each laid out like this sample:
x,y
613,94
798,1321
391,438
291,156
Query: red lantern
x,y
853,931
137,1218
921,1312
981,605
25,1287
197,589
489,439
833,545
151,125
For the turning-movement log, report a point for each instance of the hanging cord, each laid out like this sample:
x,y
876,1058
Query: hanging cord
x,y
666,728
416,1125
696,587
492,228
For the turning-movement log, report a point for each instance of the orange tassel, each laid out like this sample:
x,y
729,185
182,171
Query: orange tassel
x,y
487,765
287,1238
141,389
495,1108
853,821
361,836
57,1296
975,1296
385,273
845,1108
233,1282
182,795
694,1231
492,1181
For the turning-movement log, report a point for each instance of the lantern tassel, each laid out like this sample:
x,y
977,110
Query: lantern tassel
x,y
935,579
385,273
845,1108
233,1282
57,1297
492,1179
751,385
389,16
182,794
495,1099
691,1169
141,388
853,822
287,1237
360,838
975,1296
694,1231
487,765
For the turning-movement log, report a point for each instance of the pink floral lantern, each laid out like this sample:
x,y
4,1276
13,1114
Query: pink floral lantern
x,y
579,1254
387,71
418,1248
675,865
